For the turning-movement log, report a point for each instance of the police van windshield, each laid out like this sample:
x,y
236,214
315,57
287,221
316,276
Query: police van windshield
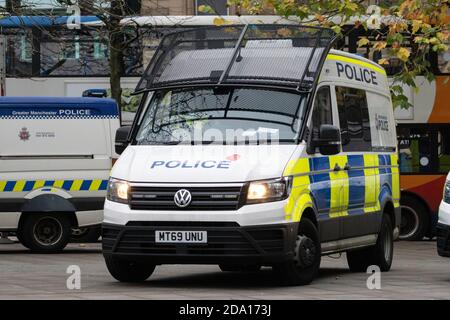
x,y
221,115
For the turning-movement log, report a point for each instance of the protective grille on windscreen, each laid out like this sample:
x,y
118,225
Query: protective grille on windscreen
x,y
284,55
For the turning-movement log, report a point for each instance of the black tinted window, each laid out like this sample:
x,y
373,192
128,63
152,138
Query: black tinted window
x,y
353,119
221,115
322,110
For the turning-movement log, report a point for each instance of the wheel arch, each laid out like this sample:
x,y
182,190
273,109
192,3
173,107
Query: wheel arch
x,y
48,203
310,213
389,210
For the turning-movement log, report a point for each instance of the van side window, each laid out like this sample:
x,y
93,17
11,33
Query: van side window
x,y
353,119
322,110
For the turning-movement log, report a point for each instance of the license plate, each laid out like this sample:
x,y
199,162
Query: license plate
x,y
181,236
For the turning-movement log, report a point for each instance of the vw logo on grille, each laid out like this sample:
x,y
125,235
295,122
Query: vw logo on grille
x,y
182,198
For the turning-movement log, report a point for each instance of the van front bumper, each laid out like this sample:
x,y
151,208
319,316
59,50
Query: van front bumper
x,y
443,239
227,242
443,230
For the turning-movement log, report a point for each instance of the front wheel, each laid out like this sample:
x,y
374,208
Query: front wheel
x,y
45,233
381,254
304,267
128,271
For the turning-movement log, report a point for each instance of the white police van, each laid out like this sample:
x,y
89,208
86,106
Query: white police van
x,y
55,157
443,226
255,146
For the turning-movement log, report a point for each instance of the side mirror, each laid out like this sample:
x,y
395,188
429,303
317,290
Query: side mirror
x,y
329,141
121,141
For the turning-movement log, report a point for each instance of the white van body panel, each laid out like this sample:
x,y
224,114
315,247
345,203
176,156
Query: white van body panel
x,y
54,146
202,163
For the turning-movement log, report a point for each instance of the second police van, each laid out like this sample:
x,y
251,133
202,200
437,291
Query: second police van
x,y
255,146
55,157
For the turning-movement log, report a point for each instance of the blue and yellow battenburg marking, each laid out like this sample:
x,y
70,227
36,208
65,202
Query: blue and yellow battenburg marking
x,y
359,189
68,185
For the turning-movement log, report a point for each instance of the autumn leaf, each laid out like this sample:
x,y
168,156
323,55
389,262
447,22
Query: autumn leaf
x,y
219,21
363,41
434,41
421,40
416,24
319,17
205,9
336,29
403,54
351,6
379,45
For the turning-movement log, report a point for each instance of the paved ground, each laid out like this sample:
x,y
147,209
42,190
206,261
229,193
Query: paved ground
x,y
418,273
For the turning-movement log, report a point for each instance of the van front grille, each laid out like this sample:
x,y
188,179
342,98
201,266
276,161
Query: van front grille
x,y
203,198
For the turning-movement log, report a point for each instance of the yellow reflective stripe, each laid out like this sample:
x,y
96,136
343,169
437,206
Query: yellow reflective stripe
x,y
38,184
377,181
370,196
302,203
339,187
95,185
395,176
58,183
297,166
294,204
76,185
290,205
356,61
18,187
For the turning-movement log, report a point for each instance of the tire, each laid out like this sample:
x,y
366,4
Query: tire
x,y
128,271
304,267
381,254
46,233
21,239
415,219
239,268
86,235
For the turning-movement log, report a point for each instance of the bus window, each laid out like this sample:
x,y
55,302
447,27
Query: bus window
x,y
415,150
26,49
444,150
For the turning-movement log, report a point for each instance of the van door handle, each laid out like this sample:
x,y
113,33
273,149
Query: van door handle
x,y
347,167
336,167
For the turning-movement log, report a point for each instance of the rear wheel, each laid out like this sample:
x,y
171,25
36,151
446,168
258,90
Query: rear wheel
x,y
381,254
304,267
128,271
415,219
45,232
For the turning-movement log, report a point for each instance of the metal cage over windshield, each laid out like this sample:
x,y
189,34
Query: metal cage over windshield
x,y
258,54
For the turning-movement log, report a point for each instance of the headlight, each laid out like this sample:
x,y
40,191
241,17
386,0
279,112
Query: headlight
x,y
447,192
268,190
117,190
